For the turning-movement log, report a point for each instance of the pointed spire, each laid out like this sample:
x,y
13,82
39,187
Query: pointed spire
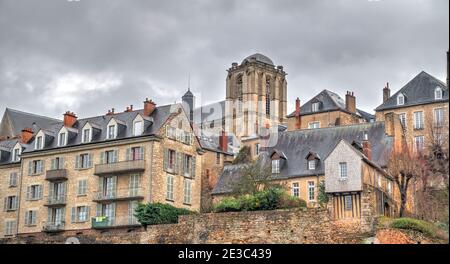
x,y
189,82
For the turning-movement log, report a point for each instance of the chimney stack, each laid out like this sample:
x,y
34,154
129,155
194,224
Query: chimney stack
x,y
27,134
386,93
350,102
223,141
110,112
298,123
149,107
69,119
129,108
367,148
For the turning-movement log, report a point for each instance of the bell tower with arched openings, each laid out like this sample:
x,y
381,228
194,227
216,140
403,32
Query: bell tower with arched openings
x,y
256,93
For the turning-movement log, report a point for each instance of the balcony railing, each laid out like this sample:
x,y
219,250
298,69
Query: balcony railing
x,y
107,222
119,195
53,226
120,167
56,175
59,199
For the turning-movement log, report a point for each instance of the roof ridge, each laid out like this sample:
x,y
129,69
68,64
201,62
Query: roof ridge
x,y
31,114
334,127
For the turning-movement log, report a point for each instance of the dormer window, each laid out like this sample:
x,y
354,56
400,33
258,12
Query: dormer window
x,y
111,131
315,107
137,128
16,153
438,93
62,139
276,166
86,136
39,142
400,99
312,164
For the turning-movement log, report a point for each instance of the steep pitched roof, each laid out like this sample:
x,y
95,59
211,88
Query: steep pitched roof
x,y
296,145
14,121
159,115
209,112
420,90
329,101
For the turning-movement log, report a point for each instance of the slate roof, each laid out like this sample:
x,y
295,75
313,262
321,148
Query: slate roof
x,y
296,145
329,101
209,112
152,125
420,90
212,143
258,57
14,121
6,147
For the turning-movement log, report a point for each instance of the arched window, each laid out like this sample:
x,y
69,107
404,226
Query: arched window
x,y
400,99
239,93
268,96
438,93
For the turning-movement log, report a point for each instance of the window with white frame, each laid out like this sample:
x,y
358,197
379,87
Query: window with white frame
x,y
439,117
62,139
311,190
418,120
30,217
348,202
16,153
402,118
111,131
400,99
438,93
312,164
39,142
295,189
187,191
314,125
13,179
137,128
35,167
57,163
86,135
276,166
82,187
418,143
315,106
343,170
169,187
10,227
11,203
34,192
83,161
82,213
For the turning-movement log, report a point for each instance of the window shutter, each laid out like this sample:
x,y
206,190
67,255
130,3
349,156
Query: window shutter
x,y
16,202
113,186
102,157
115,156
39,166
141,153
33,217
51,189
5,205
88,210
183,164
77,161
28,192
113,213
80,187
40,191
177,163
193,167
99,210
27,216
30,167
100,184
166,158
49,215
53,164
61,163
73,215
128,154
63,188
89,160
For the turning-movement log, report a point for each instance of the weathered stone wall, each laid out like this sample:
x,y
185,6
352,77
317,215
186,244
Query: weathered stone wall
x,y
302,226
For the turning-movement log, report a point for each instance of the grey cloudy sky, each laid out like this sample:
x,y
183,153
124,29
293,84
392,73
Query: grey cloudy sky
x,y
91,55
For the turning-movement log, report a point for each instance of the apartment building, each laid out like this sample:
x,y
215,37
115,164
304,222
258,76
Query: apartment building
x,y
87,173
327,109
422,108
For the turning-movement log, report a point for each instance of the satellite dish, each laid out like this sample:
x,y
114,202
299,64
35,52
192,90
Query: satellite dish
x,y
72,240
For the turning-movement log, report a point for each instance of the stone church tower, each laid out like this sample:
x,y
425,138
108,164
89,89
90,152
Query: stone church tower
x,y
256,93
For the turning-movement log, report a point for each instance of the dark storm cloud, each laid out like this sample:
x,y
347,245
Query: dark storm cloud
x,y
91,55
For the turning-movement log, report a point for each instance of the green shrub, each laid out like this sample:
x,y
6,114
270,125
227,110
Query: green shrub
x,y
158,213
229,204
414,224
270,199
